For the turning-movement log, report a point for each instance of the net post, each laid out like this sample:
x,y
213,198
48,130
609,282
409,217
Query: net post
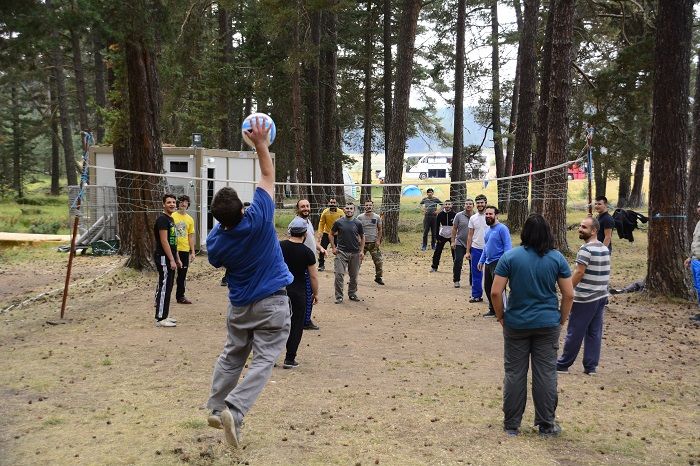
x,y
589,143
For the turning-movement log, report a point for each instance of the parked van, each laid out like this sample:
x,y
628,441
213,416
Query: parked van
x,y
438,165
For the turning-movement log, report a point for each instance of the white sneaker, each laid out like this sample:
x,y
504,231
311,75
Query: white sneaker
x,y
456,284
171,319
165,323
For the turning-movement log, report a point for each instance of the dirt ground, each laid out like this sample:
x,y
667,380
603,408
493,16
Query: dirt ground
x,y
410,375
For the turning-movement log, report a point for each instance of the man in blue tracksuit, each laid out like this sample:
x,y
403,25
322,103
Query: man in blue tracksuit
x,y
497,241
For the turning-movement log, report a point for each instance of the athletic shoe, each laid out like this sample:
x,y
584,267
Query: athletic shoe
x,y
562,371
512,432
591,372
321,268
224,282
550,431
353,297
214,419
423,248
695,318
456,284
339,300
232,428
171,319
184,301
432,246
489,314
433,269
165,323
475,300
311,326
379,280
290,364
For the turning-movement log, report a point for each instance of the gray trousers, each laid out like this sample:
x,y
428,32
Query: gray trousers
x,y
262,327
520,348
346,262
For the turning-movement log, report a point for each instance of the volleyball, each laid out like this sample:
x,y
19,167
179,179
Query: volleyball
x,y
264,119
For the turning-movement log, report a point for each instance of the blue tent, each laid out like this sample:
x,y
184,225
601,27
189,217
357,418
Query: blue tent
x,y
411,191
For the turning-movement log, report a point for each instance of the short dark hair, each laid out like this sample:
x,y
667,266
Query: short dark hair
x,y
302,199
480,197
602,198
226,207
495,209
168,196
595,224
537,234
183,197
430,190
349,203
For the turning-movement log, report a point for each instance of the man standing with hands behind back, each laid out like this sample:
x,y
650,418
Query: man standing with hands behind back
x,y
429,206
348,245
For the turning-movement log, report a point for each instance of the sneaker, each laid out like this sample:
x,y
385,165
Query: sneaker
x,y
432,269
432,246
475,300
165,323
423,248
550,431
232,428
214,419
353,297
591,372
171,319
224,282
695,318
311,326
379,280
512,432
489,314
321,268
339,300
562,371
290,364
184,300
456,284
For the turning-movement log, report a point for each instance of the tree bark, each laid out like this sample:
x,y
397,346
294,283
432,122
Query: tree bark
x,y
554,210
510,143
227,109
55,143
366,193
496,107
600,174
331,153
694,170
625,185
397,135
636,195
16,143
298,126
458,192
668,240
539,158
100,93
518,209
144,154
79,80
313,110
388,79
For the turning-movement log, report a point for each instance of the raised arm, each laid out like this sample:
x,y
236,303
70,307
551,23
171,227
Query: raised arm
x,y
258,134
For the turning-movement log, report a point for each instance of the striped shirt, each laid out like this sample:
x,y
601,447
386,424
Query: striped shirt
x,y
594,284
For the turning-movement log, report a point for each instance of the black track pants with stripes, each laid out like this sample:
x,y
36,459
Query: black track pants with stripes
x,y
164,288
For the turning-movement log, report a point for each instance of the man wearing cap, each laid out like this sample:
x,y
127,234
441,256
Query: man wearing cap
x,y
348,245
303,210
429,206
301,261
693,261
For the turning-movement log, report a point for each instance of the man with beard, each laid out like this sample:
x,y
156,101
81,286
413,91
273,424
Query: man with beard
x,y
460,232
445,222
328,218
349,252
497,241
429,206
590,281
475,247
372,228
303,210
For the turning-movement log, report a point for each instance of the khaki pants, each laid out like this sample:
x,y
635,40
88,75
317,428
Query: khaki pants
x,y
350,262
376,254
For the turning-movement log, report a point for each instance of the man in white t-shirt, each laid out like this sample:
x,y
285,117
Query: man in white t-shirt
x,y
475,247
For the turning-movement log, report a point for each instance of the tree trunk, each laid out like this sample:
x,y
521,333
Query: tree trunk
x,y
331,153
16,143
636,195
496,107
297,125
668,240
66,131
623,189
539,158
79,80
367,121
397,135
226,109
144,154
518,209
55,143
100,93
694,171
510,143
458,192
313,110
600,174
556,187
388,79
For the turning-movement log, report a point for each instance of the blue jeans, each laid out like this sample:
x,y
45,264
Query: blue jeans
x,y
695,270
585,326
477,275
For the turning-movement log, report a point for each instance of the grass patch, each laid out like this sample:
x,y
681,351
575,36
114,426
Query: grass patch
x,y
193,424
53,421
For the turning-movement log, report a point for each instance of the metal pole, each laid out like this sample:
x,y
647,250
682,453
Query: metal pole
x,y
589,143
71,255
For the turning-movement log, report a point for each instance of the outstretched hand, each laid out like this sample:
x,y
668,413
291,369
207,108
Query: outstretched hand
x,y
258,132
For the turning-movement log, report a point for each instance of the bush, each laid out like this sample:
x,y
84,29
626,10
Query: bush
x,y
48,228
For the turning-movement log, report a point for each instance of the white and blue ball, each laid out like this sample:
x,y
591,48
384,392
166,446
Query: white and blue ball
x,y
263,119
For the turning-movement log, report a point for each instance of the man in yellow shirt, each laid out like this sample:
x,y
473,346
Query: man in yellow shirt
x,y
328,218
184,229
